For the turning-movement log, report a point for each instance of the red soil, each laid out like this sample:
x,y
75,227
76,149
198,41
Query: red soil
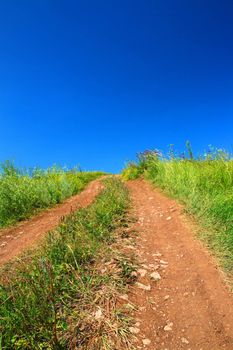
x,y
13,241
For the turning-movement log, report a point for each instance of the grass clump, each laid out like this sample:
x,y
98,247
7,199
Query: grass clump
x,y
204,185
60,298
24,192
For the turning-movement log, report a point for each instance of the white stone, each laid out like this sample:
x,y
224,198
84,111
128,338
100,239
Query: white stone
x,y
146,341
168,327
134,330
155,276
142,272
143,286
184,340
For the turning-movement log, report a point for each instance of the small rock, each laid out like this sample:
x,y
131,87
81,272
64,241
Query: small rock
x,y
155,276
142,308
145,266
137,324
168,327
164,266
168,218
146,341
163,262
131,247
166,297
134,330
142,272
156,254
185,294
153,266
143,286
98,314
184,340
134,274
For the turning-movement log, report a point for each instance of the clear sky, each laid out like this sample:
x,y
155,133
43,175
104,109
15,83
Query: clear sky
x,y
92,82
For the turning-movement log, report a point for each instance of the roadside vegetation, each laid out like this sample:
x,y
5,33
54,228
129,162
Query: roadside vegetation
x,y
23,192
64,295
204,185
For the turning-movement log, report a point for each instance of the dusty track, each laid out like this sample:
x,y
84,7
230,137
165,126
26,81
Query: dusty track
x,y
190,307
14,241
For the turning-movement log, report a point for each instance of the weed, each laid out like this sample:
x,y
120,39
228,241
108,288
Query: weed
x,y
58,297
204,185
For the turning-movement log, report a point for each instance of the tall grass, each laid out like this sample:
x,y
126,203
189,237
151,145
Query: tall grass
x,y
204,185
24,192
50,299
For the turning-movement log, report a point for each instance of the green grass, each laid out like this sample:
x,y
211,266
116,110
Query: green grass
x,y
204,185
22,193
51,298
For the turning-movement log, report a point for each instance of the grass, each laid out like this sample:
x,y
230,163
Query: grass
x,y
63,296
204,185
22,193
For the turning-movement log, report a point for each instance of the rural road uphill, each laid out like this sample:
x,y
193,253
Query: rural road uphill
x,y
13,241
185,304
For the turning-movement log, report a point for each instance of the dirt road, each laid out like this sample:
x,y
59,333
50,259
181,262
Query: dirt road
x,y
181,299
14,241
185,304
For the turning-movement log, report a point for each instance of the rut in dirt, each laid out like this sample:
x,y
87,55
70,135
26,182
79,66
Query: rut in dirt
x,y
27,234
181,298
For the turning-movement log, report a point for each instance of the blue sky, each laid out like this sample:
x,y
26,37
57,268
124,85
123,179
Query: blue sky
x,y
93,82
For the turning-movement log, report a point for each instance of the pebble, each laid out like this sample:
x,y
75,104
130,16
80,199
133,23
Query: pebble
x,y
163,262
155,276
134,274
143,286
134,330
166,297
168,218
146,341
156,254
98,314
168,327
145,266
142,272
184,340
